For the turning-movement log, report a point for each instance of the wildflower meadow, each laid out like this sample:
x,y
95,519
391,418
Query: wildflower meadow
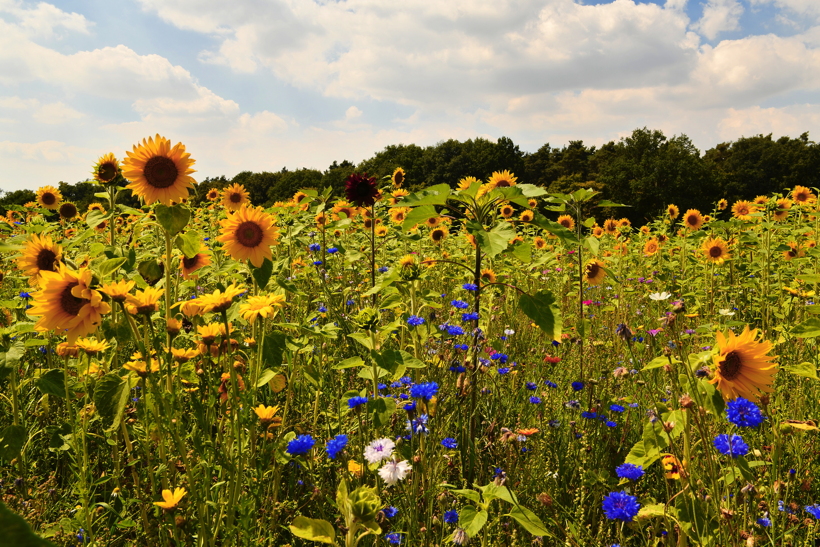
x,y
477,362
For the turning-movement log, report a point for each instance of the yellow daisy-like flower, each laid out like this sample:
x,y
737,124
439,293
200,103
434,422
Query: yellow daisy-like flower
x,y
159,172
209,333
234,197
106,169
466,182
743,367
506,210
651,247
190,265
182,355
64,349
49,197
190,307
66,303
803,196
438,234
526,216
219,301
539,242
267,415
782,209
212,195
692,219
488,276
398,177
141,368
672,211
40,254
743,210
144,302
567,222
263,305
716,250
248,235
171,499
91,346
594,272
722,204
118,292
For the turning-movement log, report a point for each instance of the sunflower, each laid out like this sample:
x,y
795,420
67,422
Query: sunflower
x,y
526,216
101,227
532,203
502,179
106,169
610,226
742,365
158,172
567,222
398,177
234,197
67,303
67,210
322,220
594,272
190,265
397,195
40,254
803,196
249,234
651,247
624,223
49,197
471,240
716,250
597,231
381,231
219,301
488,276
432,222
438,234
645,230
506,210
466,182
743,210
407,261
539,242
96,207
722,204
143,302
794,251
212,195
264,305
782,209
672,211
692,219
398,214
118,292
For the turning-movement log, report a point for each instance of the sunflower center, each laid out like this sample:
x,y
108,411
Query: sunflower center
x,y
160,172
189,263
49,198
46,259
731,365
715,252
592,270
503,184
692,220
70,303
107,171
249,234
68,210
236,197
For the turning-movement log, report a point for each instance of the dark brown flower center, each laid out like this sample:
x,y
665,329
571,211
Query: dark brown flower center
x,y
715,251
249,234
190,263
160,172
692,220
107,171
731,365
503,183
70,303
438,235
398,178
565,224
48,198
592,271
68,210
46,260
236,197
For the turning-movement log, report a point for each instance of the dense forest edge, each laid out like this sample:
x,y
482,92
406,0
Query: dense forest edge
x,y
646,170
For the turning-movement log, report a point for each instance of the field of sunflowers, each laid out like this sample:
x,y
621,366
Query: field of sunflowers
x,y
479,363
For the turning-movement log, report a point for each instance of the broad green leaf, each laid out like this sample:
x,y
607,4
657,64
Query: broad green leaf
x,y
350,362
807,329
418,215
111,395
381,410
12,356
544,311
262,273
472,520
189,243
657,362
173,218
434,195
523,252
16,532
806,370
151,270
95,218
52,382
471,495
363,338
492,242
607,203
529,521
593,244
110,266
318,530
274,348
567,238
12,440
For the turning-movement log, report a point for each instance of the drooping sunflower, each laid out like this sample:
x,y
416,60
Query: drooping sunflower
x,y
438,234
610,226
488,276
722,204
743,210
159,172
144,302
49,197
248,235
67,304
692,219
782,207
234,197
567,222
106,169
594,272
40,254
526,216
506,210
219,301
190,265
398,177
742,365
67,210
651,247
716,250
361,189
672,211
803,196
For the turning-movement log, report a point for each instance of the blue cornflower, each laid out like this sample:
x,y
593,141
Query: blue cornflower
x,y
335,445
472,316
503,370
535,400
458,369
317,262
470,287
393,538
462,347
548,383
500,357
449,442
332,251
350,302
418,424
415,320
731,445
300,445
454,330
616,408
451,516
589,415
577,386
406,380
314,247
610,423
355,402
322,309
621,506
24,295
531,386
460,304
424,391
743,413
390,512
764,522
383,269
629,471
813,510
409,406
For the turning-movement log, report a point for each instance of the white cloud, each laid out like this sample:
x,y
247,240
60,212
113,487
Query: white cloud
x,y
56,113
791,121
44,20
719,16
352,113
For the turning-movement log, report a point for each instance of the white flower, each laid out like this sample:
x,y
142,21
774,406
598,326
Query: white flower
x,y
393,471
379,450
509,332
657,296
727,312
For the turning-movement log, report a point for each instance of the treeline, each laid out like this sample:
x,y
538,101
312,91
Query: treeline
x,y
645,170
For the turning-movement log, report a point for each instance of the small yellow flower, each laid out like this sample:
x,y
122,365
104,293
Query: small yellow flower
x,y
355,468
267,415
172,499
91,346
218,301
181,355
264,305
146,301
117,291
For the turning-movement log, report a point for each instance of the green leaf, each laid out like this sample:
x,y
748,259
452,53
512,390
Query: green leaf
x,y
12,440
381,410
471,495
657,362
17,532
173,219
151,270
529,521
523,252
111,395
472,520
265,377
12,356
807,329
188,243
350,362
418,215
314,530
274,348
396,362
544,311
567,238
593,244
607,203
107,267
806,370
434,195
52,382
363,338
95,218
262,273
491,242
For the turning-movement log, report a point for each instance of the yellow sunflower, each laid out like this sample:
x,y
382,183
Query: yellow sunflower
x,y
143,302
219,301
506,210
722,204
248,235
672,211
532,203
795,251
716,250
610,226
488,276
692,219
212,195
67,304
624,223
407,261
782,209
322,220
651,247
398,214
567,222
597,231
594,272
742,365
398,177
40,254
438,234
381,231
67,210
526,216
190,265
743,210
397,195
234,197
49,197
501,179
466,182
539,242
158,172
803,196
106,169
118,292
96,207
263,305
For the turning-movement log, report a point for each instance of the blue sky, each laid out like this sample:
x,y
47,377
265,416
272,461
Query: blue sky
x,y
265,84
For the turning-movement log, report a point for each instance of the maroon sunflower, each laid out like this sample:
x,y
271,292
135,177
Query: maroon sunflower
x,y
361,189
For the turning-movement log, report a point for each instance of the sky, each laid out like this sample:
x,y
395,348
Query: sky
x,y
264,84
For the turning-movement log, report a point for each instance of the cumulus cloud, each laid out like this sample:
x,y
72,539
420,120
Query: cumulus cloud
x,y
719,16
44,20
